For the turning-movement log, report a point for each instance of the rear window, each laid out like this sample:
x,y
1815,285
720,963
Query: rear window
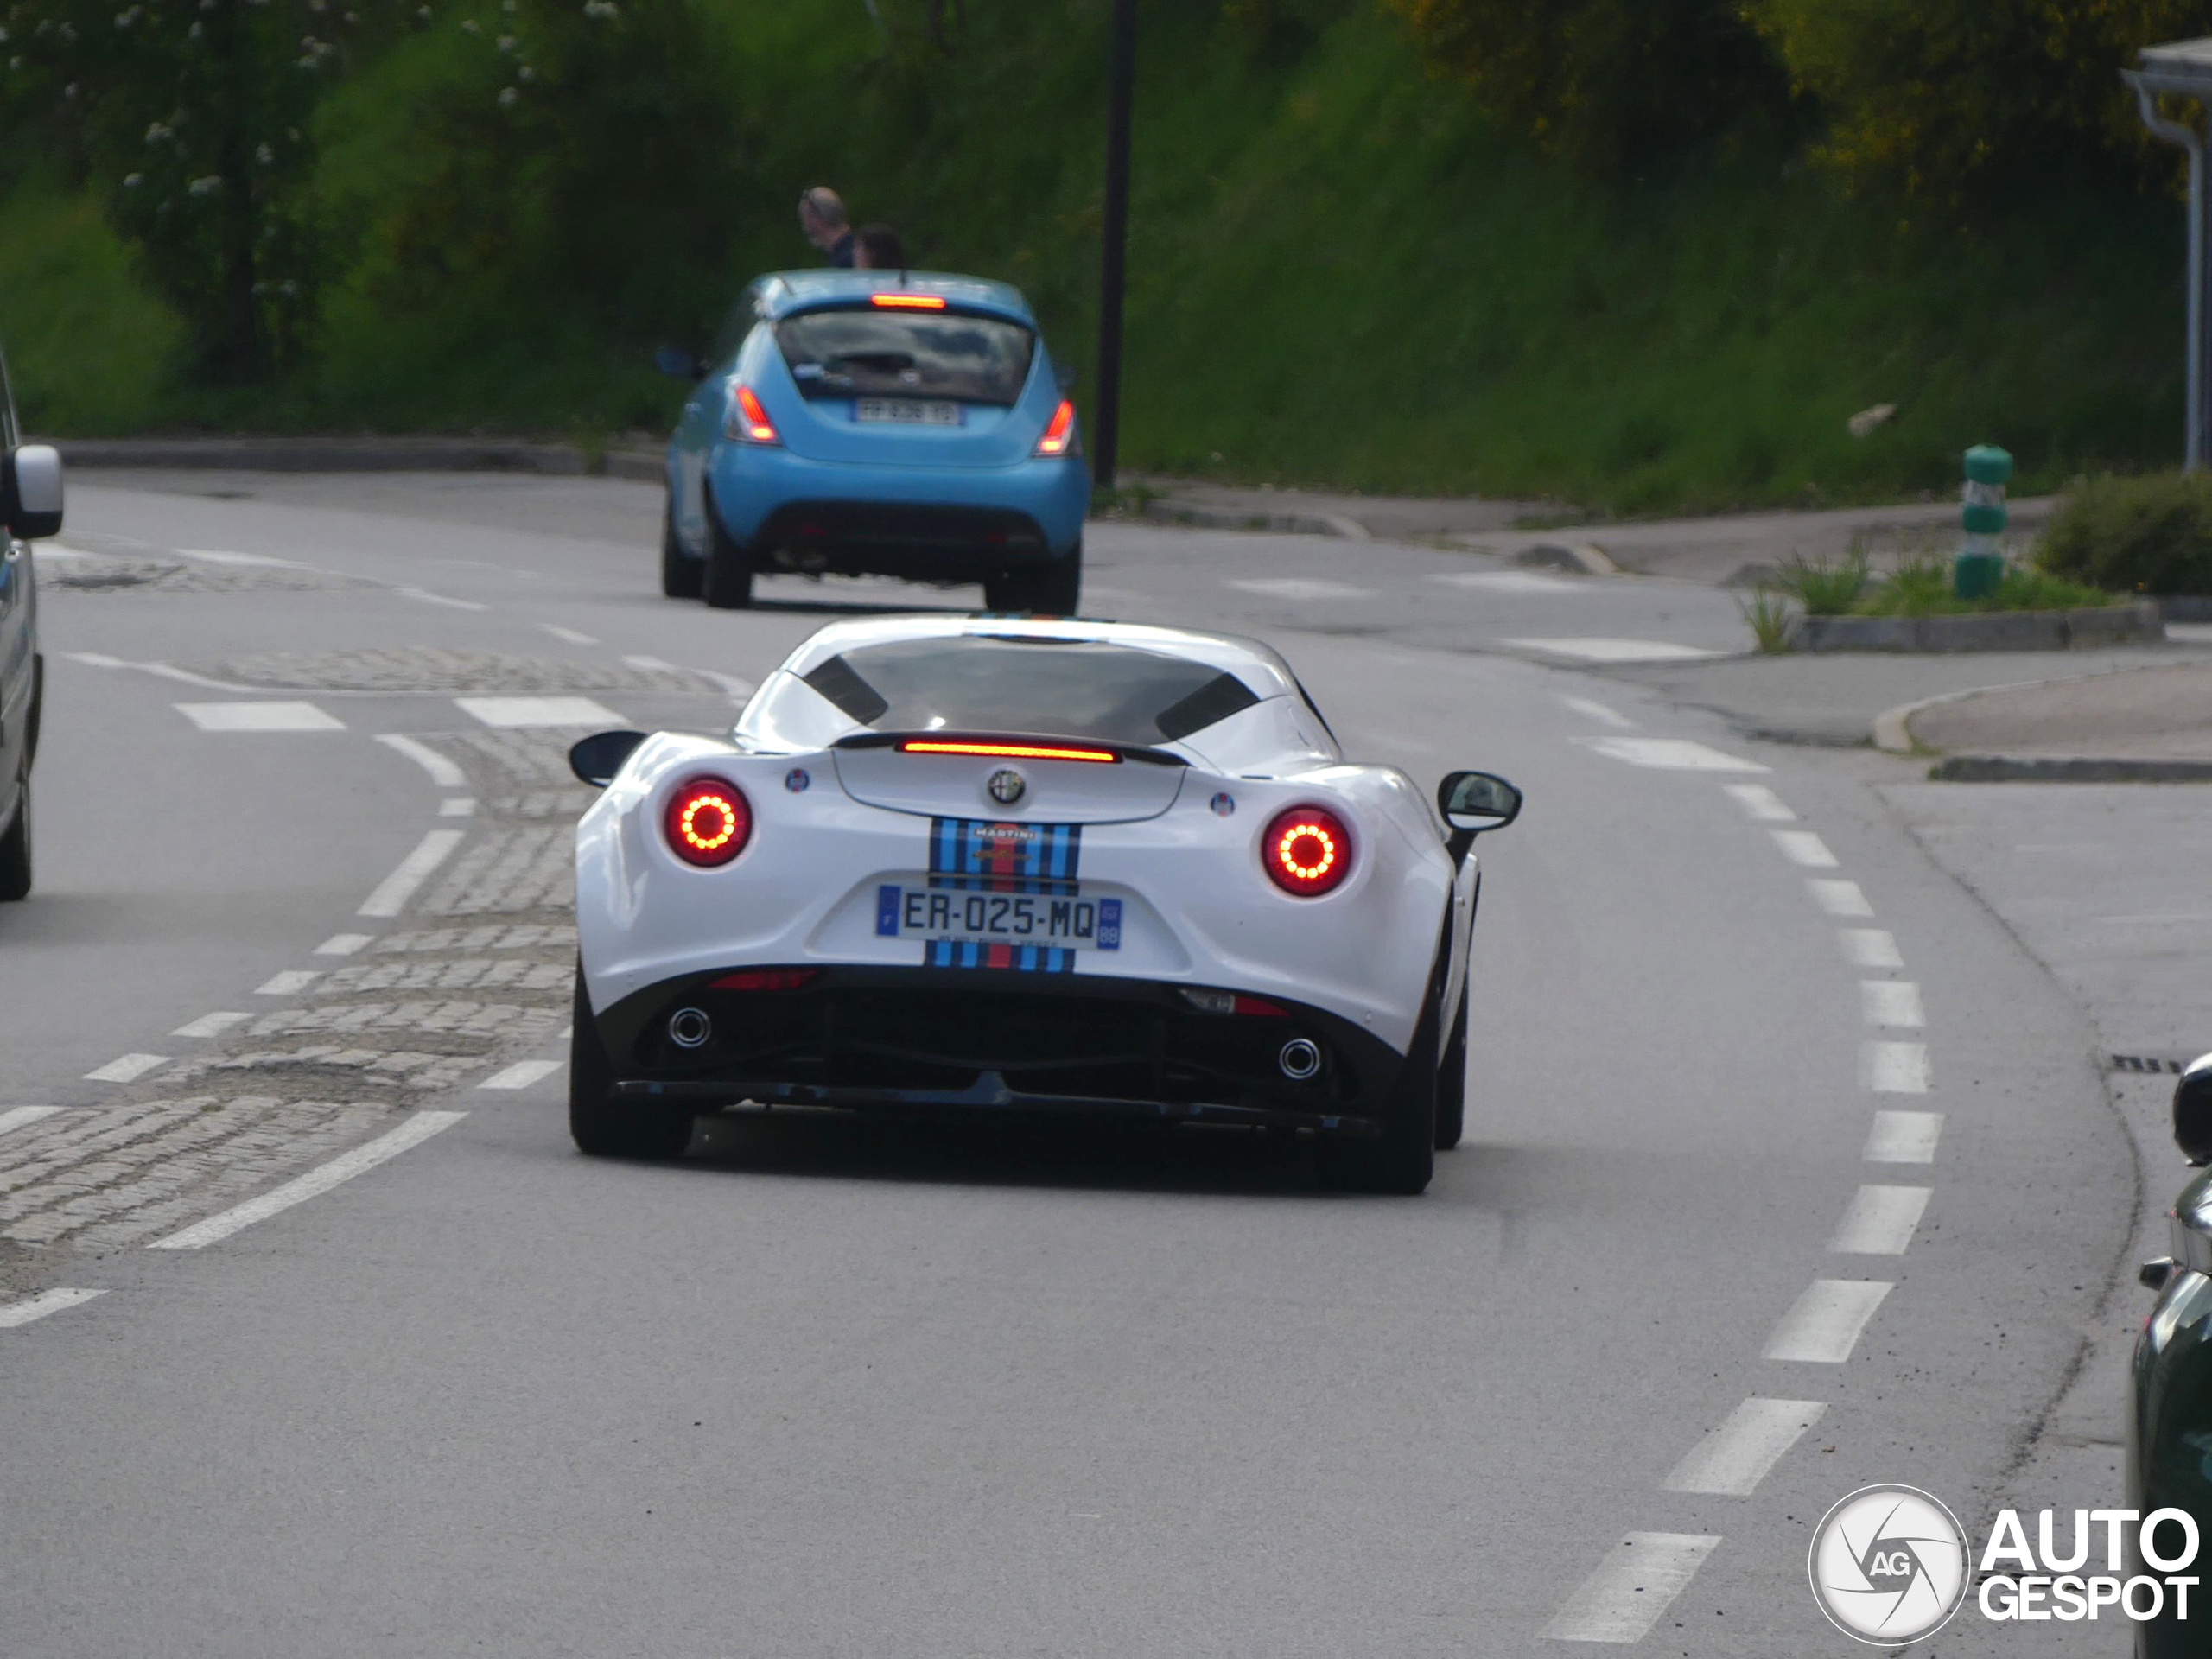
x,y
1057,688
909,353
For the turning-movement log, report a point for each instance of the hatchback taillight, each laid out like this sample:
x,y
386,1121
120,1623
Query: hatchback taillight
x,y
746,421
1059,432
1307,851
709,822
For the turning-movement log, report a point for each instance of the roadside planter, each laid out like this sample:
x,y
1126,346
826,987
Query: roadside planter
x,y
2094,625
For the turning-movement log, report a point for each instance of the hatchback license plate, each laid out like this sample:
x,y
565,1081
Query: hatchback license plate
x,y
1071,923
907,411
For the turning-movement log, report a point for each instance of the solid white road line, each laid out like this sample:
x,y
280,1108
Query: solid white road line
x,y
258,717
1894,1068
1803,847
1881,1221
46,1302
15,1117
1733,1458
1599,712
429,597
1904,1138
521,1074
1839,898
1510,581
364,1157
1670,754
569,634
396,889
1868,947
1893,1002
1824,1325
457,806
1301,588
1761,802
509,713
344,944
443,772
129,1068
1631,1591
290,982
210,1025
1614,650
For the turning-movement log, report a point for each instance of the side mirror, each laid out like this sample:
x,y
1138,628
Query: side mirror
x,y
596,759
679,364
34,491
2193,1111
1473,802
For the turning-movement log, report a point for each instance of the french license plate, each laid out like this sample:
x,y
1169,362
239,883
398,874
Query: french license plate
x,y
907,411
1068,921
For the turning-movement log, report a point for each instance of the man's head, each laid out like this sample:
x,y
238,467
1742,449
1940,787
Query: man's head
x,y
822,217
877,247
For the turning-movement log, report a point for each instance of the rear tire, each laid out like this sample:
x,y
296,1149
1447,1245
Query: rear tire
x,y
1054,588
16,848
1402,1159
682,577
1452,1082
602,1125
729,575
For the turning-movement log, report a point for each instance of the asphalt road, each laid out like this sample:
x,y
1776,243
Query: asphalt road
x,y
825,1389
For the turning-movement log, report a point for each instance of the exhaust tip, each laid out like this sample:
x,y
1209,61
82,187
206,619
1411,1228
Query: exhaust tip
x,y
1300,1059
690,1028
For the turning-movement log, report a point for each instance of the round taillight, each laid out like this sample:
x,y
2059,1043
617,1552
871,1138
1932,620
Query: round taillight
x,y
1307,850
709,822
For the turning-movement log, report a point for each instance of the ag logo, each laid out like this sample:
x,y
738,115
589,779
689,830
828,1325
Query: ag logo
x,y
1889,1565
1006,786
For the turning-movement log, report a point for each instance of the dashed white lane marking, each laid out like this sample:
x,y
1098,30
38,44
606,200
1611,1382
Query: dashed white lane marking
x,y
1894,1068
1803,847
569,634
736,690
1904,1138
210,1025
1735,1457
1508,581
259,717
1839,898
15,1117
290,982
443,772
1599,712
1761,802
427,597
1633,1589
1599,650
1868,947
1892,1002
648,663
457,806
344,944
1300,589
1823,1325
128,1069
46,1302
415,1130
222,556
1670,754
1881,1221
508,713
396,889
521,1074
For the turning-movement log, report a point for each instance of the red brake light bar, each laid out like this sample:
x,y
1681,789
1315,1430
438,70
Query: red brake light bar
x,y
1059,430
1010,750
908,301
764,979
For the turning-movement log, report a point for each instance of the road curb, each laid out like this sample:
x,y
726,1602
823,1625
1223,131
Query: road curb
x,y
358,455
2065,769
2100,624
1286,524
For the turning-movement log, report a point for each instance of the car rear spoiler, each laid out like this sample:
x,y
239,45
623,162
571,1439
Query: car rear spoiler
x,y
1013,746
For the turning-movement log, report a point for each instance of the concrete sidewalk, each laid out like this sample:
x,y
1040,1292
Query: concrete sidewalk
x,y
2148,725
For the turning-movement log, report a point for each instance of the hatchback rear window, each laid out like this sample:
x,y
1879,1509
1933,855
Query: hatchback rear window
x,y
906,354
1057,688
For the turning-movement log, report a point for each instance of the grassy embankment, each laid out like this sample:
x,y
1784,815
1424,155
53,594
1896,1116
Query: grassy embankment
x,y
1341,276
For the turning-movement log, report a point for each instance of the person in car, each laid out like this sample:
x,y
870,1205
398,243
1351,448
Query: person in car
x,y
878,248
821,221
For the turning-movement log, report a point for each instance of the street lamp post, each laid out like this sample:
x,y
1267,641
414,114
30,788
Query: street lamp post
x,y
1120,82
2185,69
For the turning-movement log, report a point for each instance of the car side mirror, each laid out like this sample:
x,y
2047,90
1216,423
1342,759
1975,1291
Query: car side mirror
x,y
596,759
679,364
1474,802
34,491
2193,1111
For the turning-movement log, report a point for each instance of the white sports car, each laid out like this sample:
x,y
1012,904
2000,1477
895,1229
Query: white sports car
x,y
980,863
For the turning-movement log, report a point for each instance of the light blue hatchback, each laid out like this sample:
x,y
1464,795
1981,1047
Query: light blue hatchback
x,y
892,422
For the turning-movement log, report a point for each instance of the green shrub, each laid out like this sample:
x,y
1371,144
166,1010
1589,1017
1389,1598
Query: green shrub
x,y
1822,588
1921,586
2151,535
1767,614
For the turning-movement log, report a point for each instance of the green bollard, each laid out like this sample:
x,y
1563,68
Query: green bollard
x,y
1979,567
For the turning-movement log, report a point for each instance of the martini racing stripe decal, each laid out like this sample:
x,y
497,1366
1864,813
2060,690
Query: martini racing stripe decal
x,y
976,853
1020,958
